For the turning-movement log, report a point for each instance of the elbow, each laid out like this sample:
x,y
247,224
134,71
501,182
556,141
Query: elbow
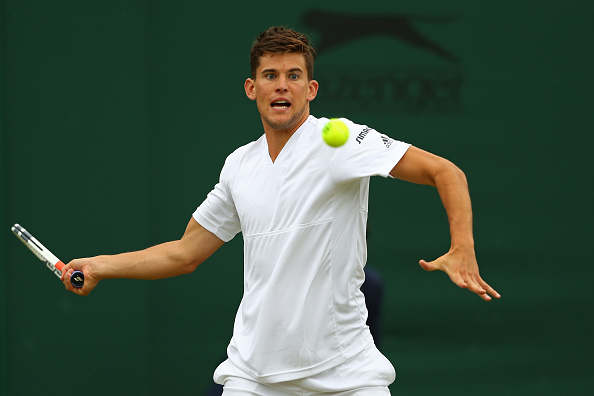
x,y
185,260
449,171
190,265
460,175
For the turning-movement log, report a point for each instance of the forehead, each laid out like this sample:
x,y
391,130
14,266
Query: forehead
x,y
282,61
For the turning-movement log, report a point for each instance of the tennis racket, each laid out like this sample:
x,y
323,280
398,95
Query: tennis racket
x,y
43,254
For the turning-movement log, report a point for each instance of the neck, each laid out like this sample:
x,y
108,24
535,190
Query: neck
x,y
278,138
276,142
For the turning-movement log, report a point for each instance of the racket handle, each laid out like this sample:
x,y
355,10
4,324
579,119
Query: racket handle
x,y
77,279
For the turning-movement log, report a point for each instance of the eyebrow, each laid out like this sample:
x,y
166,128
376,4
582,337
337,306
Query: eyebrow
x,y
295,69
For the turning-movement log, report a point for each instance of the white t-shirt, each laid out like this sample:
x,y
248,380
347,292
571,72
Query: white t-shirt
x,y
303,220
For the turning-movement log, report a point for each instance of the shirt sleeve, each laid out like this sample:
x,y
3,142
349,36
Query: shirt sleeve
x,y
217,213
366,153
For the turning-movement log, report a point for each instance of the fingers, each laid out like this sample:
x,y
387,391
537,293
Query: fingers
x,y
478,289
463,273
457,275
66,275
471,283
64,271
78,265
478,286
489,289
81,291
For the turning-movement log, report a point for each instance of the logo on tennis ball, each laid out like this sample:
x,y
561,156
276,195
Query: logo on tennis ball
x,y
335,133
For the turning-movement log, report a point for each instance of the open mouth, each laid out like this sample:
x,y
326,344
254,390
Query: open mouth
x,y
281,104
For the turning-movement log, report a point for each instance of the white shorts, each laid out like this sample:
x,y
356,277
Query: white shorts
x,y
367,374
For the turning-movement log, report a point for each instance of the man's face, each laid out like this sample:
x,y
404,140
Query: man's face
x,y
282,91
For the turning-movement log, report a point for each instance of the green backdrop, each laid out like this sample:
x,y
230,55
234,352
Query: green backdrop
x,y
117,117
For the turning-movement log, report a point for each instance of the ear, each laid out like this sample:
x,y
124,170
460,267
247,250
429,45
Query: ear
x,y
250,88
313,90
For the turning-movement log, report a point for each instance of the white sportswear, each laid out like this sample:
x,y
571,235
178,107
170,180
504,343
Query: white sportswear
x,y
303,220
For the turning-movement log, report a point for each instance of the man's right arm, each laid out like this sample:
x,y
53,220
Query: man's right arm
x,y
160,261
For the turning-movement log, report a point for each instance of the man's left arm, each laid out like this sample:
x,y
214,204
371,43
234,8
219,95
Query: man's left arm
x,y
421,167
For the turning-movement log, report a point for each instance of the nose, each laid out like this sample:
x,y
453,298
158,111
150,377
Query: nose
x,y
281,84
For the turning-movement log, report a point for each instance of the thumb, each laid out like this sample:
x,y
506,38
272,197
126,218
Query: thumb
x,y
69,265
428,266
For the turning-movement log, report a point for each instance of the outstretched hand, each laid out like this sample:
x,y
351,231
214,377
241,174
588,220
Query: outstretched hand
x,y
462,268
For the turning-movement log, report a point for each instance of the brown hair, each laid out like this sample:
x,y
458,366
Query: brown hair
x,y
280,39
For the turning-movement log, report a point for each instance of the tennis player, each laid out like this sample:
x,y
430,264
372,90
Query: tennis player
x,y
301,207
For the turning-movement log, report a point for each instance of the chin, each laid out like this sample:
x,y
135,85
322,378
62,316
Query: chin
x,y
286,122
281,124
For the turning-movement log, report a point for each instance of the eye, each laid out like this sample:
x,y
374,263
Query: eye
x,y
294,77
269,76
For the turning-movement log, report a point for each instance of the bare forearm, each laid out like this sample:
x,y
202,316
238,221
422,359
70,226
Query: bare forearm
x,y
160,261
422,167
452,186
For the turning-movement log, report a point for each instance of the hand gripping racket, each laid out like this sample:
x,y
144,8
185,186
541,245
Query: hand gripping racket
x,y
51,261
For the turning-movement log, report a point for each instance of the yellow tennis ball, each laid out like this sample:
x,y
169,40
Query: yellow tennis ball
x,y
335,133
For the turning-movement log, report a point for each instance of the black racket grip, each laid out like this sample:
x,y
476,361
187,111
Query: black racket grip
x,y
77,279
